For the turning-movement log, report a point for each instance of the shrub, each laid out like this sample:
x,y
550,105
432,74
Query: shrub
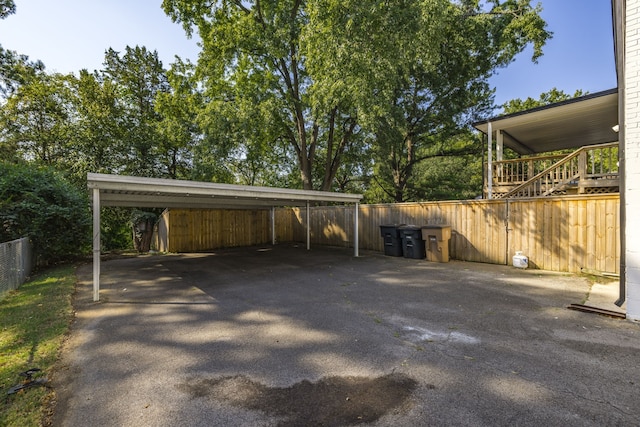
x,y
40,203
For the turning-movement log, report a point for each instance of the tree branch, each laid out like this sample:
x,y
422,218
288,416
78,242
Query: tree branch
x,y
242,7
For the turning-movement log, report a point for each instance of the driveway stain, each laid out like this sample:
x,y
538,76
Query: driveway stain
x,y
331,401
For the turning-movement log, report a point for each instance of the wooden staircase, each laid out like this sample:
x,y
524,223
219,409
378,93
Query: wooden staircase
x,y
589,170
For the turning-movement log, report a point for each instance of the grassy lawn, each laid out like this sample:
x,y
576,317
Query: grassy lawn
x,y
33,322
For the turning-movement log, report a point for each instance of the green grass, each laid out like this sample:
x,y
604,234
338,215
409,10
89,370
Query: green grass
x,y
34,321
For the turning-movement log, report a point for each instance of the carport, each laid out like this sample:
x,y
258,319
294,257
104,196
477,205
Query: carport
x,y
129,191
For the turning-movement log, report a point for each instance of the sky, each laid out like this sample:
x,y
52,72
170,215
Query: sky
x,y
580,56
69,35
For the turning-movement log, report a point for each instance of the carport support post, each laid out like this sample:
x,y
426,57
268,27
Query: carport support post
x,y
308,229
96,244
355,230
273,225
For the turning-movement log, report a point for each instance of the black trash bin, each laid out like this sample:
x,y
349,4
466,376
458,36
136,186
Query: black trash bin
x,y
392,239
412,243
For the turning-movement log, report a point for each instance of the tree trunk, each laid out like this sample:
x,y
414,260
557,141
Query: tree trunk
x,y
142,235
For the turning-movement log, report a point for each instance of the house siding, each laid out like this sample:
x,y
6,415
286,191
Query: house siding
x,y
631,101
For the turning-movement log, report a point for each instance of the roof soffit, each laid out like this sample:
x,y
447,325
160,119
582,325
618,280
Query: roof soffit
x,y
570,124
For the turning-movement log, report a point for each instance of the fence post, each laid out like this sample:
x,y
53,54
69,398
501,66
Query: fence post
x,y
582,169
531,172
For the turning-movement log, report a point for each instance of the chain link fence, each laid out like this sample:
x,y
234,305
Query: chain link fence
x,y
16,262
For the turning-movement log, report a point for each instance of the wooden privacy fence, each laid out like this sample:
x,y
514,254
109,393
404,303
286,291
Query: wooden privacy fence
x,y
567,233
559,234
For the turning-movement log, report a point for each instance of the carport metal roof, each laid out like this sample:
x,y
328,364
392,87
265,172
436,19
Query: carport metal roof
x,y
130,191
586,120
120,190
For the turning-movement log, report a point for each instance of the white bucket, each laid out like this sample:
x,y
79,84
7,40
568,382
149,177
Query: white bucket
x,y
520,261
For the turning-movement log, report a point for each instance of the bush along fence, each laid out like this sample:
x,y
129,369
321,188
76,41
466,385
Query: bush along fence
x,y
569,233
16,263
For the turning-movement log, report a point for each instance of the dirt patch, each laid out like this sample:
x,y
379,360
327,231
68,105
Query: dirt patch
x,y
331,401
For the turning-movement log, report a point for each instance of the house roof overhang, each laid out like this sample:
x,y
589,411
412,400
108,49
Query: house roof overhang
x,y
586,120
121,190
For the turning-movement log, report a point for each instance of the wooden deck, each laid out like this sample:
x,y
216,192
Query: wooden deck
x,y
588,170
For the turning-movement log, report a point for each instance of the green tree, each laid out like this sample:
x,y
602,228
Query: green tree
x,y
40,203
546,98
254,72
14,68
178,128
445,87
320,73
7,7
139,77
99,127
450,176
36,120
135,117
355,171
128,121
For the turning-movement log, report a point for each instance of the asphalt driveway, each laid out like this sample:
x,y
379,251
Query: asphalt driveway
x,y
287,337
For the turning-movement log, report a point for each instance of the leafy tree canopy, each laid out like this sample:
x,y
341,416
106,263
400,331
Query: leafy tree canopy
x,y
317,78
15,69
546,98
36,121
7,7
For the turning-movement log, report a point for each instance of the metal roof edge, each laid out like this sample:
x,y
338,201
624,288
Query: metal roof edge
x,y
111,182
546,107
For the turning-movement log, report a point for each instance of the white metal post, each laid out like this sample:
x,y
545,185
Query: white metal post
x,y
489,159
355,230
499,149
96,244
273,225
308,228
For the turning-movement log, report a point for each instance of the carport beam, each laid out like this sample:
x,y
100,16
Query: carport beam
x,y
96,244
